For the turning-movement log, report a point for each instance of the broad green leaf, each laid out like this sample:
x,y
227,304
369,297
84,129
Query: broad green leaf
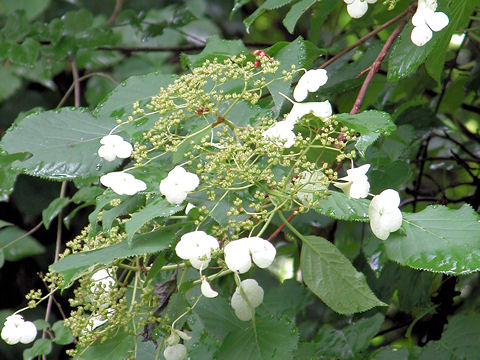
x,y
24,54
215,48
10,82
116,347
389,175
32,8
63,336
86,194
40,347
53,210
339,207
459,340
63,144
217,317
332,277
8,175
118,104
267,5
438,239
459,15
388,353
157,208
349,341
287,299
295,12
271,339
14,249
127,206
72,266
370,124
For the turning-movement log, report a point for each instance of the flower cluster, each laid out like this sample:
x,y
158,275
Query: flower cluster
x,y
311,183
196,247
357,8
178,184
426,20
246,298
240,253
16,330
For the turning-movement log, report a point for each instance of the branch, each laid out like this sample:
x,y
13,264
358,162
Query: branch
x,y
366,37
280,228
376,65
116,10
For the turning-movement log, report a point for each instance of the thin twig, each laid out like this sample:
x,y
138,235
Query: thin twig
x,y
80,79
366,37
376,65
30,232
116,10
280,228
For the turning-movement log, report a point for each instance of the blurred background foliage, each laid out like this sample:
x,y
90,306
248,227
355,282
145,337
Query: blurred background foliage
x,y
435,150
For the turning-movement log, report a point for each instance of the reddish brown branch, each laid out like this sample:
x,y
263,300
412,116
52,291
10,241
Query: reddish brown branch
x,y
376,66
280,228
366,37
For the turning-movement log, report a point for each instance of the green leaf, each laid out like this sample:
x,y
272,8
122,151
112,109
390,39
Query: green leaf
x,y
295,12
116,347
217,317
215,48
157,208
271,339
332,277
14,249
73,266
53,210
349,341
438,239
405,56
370,124
32,8
459,16
63,144
267,5
40,347
339,207
118,104
8,175
87,194
10,82
128,205
387,353
287,299
24,54
459,340
63,336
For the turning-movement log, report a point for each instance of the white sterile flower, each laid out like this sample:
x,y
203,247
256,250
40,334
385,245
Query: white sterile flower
x,y
114,146
102,280
189,207
357,185
426,20
319,109
385,216
122,183
245,308
207,290
178,183
282,134
239,254
310,183
309,82
197,247
175,352
16,330
357,8
95,322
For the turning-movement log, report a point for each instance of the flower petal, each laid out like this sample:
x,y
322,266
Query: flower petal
x,y
207,290
421,35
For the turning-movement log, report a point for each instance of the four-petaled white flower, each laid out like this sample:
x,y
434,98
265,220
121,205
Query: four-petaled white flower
x,y
357,8
178,183
16,330
385,216
309,82
426,20
207,290
281,133
175,352
114,146
197,247
357,185
310,183
246,299
319,109
123,183
240,253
